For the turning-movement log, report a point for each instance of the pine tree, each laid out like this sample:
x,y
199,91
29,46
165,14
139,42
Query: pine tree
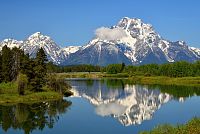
x,y
16,60
40,70
6,64
1,68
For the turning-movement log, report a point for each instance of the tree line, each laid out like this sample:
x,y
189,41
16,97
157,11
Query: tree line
x,y
52,68
29,73
176,69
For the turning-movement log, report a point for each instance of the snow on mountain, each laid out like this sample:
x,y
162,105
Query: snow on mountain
x,y
133,42
54,52
34,42
10,43
71,49
196,51
130,41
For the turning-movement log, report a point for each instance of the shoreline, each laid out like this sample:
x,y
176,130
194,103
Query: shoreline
x,y
29,98
8,91
150,80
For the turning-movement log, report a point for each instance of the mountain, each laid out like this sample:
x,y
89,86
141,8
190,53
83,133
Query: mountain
x,y
130,41
196,51
37,40
10,43
70,49
54,52
133,42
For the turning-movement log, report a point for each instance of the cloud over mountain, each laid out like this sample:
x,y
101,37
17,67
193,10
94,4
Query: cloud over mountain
x,y
104,33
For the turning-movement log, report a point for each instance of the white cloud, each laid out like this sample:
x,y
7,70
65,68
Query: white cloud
x,y
110,108
104,33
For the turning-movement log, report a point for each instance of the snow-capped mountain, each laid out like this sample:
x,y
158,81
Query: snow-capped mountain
x,y
54,52
37,40
129,104
10,43
70,49
133,42
195,51
130,41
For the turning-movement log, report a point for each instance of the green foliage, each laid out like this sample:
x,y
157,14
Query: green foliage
x,y
177,69
58,85
21,75
6,64
39,69
8,88
191,127
22,82
14,61
1,77
115,68
17,57
51,68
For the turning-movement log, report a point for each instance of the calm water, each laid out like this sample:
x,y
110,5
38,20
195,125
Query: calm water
x,y
103,106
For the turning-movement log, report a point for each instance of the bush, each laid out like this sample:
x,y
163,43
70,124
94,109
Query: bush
x,y
57,84
22,82
115,68
192,127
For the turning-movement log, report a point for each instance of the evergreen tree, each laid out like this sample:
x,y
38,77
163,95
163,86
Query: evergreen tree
x,y
6,64
1,68
123,66
16,60
39,70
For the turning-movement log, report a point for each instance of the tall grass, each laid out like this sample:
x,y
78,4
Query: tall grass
x,y
191,127
8,88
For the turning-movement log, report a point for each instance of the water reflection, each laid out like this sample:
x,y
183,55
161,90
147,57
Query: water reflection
x,y
29,117
128,103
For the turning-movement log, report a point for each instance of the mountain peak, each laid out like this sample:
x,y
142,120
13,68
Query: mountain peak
x,y
37,34
131,19
135,26
126,22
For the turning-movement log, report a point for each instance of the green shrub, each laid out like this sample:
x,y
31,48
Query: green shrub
x,y
192,127
22,82
57,84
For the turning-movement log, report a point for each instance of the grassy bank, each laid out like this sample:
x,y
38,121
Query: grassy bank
x,y
9,94
29,98
161,80
191,127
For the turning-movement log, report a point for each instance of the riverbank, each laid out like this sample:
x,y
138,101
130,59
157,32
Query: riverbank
x,y
29,98
191,127
160,80
9,94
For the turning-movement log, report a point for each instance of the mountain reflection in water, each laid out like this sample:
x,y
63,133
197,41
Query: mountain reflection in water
x,y
128,103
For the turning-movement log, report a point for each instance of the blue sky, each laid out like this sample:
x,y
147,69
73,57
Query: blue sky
x,y
73,22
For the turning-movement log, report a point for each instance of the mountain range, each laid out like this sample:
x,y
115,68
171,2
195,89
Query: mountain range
x,y
131,41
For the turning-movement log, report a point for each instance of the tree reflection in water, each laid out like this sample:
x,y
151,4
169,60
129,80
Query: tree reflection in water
x,y
29,117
